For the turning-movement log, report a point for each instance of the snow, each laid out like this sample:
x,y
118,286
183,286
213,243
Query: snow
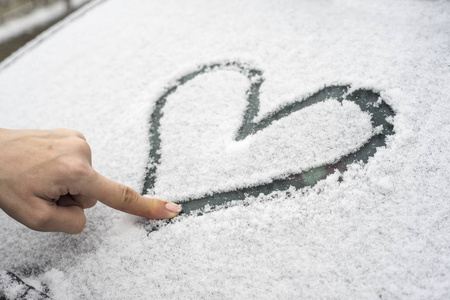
x,y
220,163
380,232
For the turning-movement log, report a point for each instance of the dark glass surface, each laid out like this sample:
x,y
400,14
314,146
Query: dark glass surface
x,y
369,101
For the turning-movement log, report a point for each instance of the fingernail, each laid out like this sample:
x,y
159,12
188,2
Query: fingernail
x,y
173,207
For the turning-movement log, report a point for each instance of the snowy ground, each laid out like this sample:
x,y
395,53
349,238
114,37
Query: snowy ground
x,y
382,232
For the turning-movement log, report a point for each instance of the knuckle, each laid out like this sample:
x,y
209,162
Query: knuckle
x,y
69,132
78,134
81,146
79,168
129,196
61,164
74,146
86,148
70,166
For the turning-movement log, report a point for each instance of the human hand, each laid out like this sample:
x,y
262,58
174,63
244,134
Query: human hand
x,y
47,180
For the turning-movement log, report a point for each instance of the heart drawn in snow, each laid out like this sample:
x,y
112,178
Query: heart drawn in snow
x,y
369,101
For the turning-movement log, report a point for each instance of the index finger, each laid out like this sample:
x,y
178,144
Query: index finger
x,y
124,198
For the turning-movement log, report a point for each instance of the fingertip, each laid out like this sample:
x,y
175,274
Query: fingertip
x,y
173,207
159,209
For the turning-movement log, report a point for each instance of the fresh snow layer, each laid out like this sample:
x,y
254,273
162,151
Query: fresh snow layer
x,y
383,231
209,159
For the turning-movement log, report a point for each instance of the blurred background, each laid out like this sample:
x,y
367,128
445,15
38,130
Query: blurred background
x,y
22,20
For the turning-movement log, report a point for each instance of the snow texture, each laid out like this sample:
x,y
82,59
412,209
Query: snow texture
x,y
381,232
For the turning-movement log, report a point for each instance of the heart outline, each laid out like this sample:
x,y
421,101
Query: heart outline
x,y
367,100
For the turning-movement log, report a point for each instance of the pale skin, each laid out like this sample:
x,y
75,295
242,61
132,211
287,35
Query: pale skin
x,y
47,181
